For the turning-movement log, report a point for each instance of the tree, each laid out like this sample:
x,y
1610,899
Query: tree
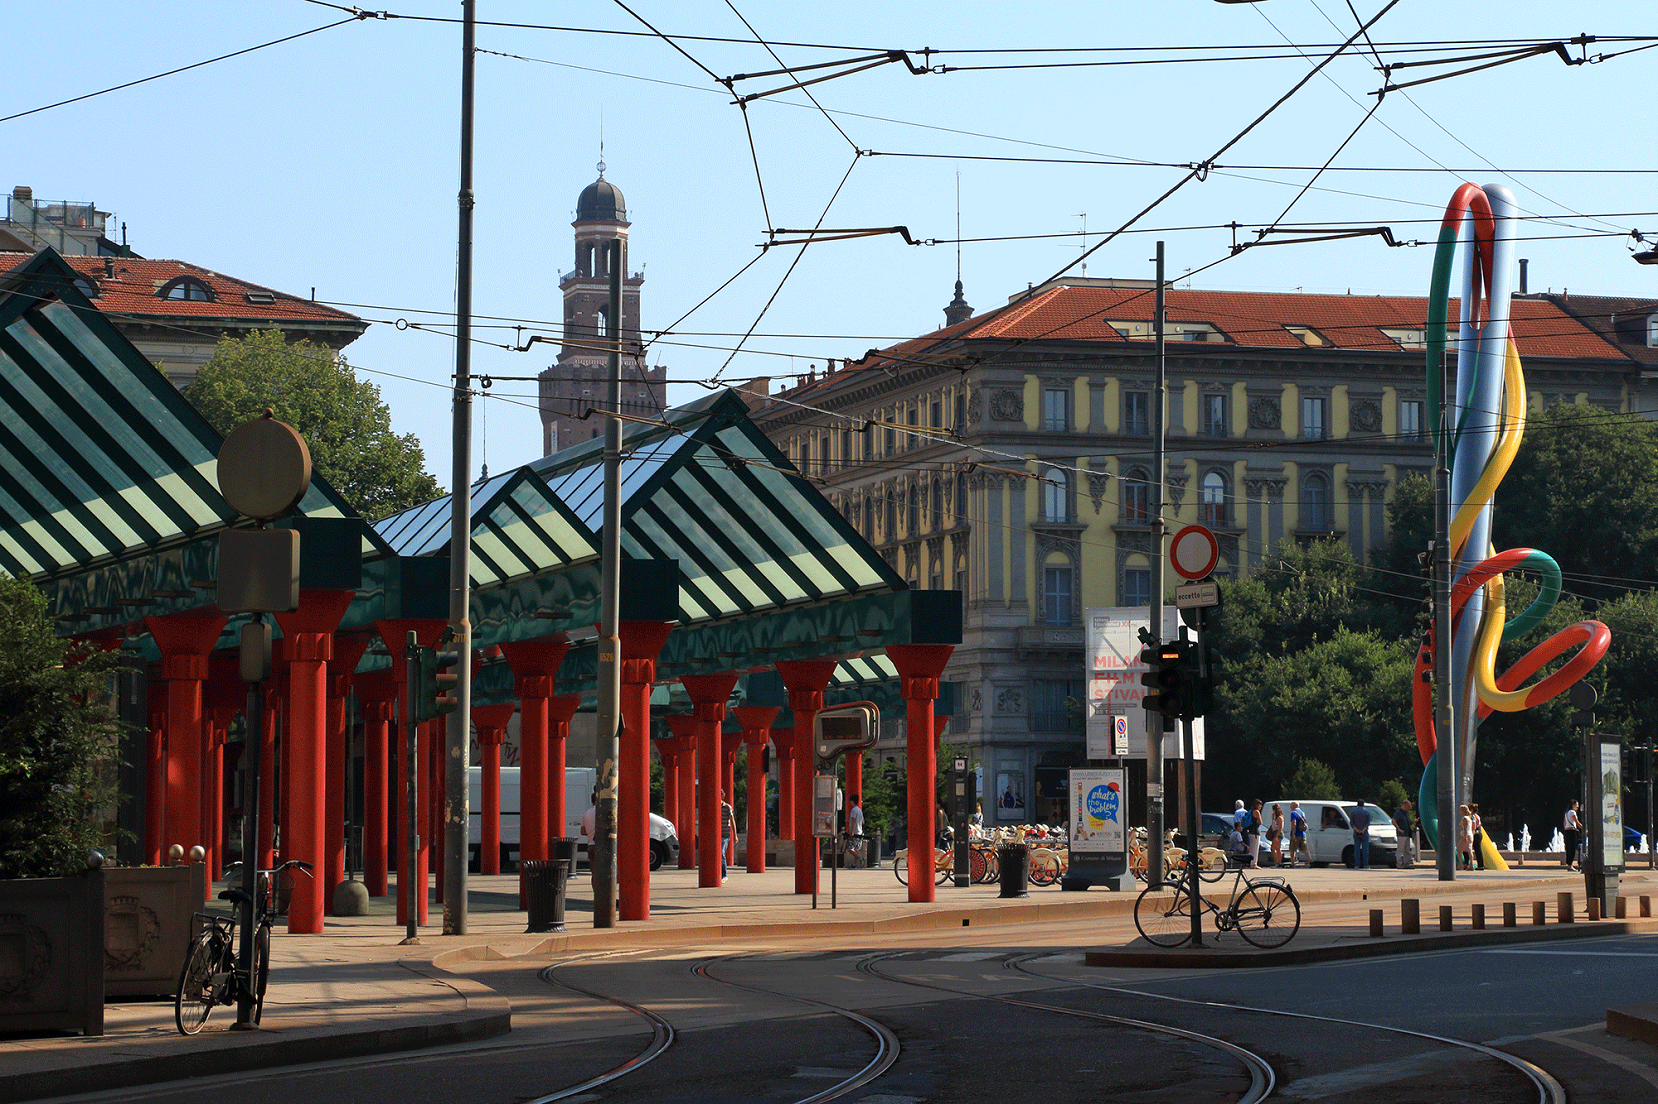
x,y
57,741
1313,781
342,418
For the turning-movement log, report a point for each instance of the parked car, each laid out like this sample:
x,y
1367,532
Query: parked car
x,y
1213,832
664,844
1330,832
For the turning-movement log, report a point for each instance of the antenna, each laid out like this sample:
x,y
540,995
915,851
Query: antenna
x,y
958,227
601,143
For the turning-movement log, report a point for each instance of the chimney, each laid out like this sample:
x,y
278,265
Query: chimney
x,y
23,193
1523,264
759,387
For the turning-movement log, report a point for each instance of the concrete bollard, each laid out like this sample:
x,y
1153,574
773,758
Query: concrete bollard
x,y
1375,923
1410,916
1620,907
1509,918
1565,913
1478,923
1444,917
1537,912
1592,906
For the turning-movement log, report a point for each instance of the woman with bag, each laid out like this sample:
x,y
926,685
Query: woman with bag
x,y
1275,835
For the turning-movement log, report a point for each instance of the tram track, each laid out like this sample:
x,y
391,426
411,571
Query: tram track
x,y
1549,1090
1262,1077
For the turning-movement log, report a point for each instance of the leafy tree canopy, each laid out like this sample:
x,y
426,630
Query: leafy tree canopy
x,y
57,741
342,418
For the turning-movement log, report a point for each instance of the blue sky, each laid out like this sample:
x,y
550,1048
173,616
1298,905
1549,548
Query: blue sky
x,y
331,161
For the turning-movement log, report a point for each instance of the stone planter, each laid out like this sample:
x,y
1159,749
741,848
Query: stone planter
x,y
51,953
148,921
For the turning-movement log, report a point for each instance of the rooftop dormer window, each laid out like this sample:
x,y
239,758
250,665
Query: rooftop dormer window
x,y
185,289
86,287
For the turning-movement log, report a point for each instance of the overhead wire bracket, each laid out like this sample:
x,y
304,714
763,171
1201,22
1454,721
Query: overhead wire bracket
x,y
844,67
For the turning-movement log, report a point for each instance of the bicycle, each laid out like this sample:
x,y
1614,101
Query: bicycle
x,y
1264,911
944,865
210,975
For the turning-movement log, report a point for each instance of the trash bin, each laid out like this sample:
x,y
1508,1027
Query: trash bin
x,y
1014,860
564,850
545,883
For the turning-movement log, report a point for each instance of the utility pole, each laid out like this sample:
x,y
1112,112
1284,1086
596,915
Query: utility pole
x,y
602,853
1155,720
1444,855
458,726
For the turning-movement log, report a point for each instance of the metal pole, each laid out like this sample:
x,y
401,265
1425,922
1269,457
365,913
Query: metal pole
x,y
1154,721
250,848
1445,858
603,854
1651,851
1192,815
413,894
458,728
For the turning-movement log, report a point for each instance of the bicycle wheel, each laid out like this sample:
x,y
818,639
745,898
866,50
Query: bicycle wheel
x,y
1211,865
992,867
1164,915
194,1000
1268,915
901,868
1044,871
943,866
261,969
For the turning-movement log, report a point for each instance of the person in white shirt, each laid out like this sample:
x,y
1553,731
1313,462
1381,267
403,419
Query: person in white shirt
x,y
1572,829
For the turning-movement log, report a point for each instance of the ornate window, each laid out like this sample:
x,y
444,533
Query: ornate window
x,y
1137,413
1212,505
1137,497
1056,594
935,515
912,516
1315,503
1137,586
1056,410
961,497
1215,421
186,289
1315,420
1410,420
1056,496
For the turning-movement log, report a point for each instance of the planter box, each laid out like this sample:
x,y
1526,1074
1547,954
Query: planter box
x,y
148,922
51,954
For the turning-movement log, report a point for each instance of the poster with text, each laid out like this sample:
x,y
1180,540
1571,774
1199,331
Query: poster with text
x,y
1611,807
1113,671
1097,811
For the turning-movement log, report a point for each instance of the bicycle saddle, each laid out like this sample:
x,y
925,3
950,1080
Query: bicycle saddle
x,y
236,895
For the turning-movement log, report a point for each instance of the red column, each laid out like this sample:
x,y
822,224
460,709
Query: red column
x,y
341,670
708,694
267,779
309,632
533,663
783,740
559,711
667,749
185,641
806,680
376,693
919,666
684,728
642,642
729,742
224,696
756,721
854,780
411,884
491,721
155,776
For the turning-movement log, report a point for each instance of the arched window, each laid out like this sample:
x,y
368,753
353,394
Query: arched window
x,y
936,517
1315,503
1212,509
1137,498
185,289
912,519
1056,495
602,320
1057,587
961,497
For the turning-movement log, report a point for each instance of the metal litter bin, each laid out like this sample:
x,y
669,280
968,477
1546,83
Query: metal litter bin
x,y
545,884
564,850
1014,860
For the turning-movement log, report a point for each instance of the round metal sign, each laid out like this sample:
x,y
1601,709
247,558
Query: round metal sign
x,y
1194,552
264,468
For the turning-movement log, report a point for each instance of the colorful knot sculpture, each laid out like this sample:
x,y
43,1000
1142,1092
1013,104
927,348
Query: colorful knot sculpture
x,y
1480,434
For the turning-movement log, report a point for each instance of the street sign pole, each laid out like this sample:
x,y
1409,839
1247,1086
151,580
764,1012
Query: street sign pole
x,y
1154,721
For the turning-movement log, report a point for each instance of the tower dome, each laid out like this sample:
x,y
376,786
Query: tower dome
x,y
601,201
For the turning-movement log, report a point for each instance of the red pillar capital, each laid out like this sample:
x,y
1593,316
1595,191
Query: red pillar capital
x,y
806,680
533,663
708,695
756,721
919,667
185,641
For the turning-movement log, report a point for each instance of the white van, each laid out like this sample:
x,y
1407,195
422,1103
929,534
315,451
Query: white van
x,y
578,789
1330,832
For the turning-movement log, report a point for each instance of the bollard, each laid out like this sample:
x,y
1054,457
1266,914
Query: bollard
x,y
1537,912
1564,912
1410,916
1375,923
1478,922
1509,919
1646,905
1620,908
1593,907
1444,917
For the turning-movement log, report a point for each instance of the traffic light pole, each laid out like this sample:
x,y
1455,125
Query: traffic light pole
x,y
1154,721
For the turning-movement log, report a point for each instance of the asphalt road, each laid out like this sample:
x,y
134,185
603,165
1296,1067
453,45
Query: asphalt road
x,y
1021,1022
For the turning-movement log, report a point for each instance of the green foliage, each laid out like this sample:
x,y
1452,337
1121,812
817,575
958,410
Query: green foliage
x,y
883,796
57,741
343,420
1392,793
1314,781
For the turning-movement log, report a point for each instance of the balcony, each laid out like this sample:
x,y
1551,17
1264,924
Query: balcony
x,y
1031,641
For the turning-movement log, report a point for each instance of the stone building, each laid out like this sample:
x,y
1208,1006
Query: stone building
x,y
1008,455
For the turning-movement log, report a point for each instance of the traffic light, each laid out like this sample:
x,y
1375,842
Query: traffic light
x,y
435,678
1168,680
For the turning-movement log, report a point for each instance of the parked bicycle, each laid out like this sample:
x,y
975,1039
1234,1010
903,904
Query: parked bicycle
x,y
210,975
1264,911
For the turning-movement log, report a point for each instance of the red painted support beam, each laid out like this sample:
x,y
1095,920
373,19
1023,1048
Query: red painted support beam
x,y
684,728
411,884
491,722
155,775
185,641
642,642
782,740
806,680
708,694
667,749
376,698
559,711
919,667
267,778
223,697
533,664
756,721
342,668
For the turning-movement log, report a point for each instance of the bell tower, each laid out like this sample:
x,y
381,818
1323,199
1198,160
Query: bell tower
x,y
575,383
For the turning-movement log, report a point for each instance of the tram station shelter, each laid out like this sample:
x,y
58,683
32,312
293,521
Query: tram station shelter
x,y
748,605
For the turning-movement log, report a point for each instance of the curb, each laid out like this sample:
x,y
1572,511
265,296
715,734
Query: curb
x,y
1638,1022
1192,958
487,1014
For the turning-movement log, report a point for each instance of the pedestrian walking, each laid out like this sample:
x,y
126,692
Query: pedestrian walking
x,y
1465,838
728,828
1405,857
1360,818
1275,834
1256,827
1476,832
1298,834
1573,829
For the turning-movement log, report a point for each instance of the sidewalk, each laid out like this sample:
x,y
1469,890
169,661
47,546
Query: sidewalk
x,y
354,991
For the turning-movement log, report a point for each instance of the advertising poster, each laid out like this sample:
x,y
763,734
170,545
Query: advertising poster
x,y
1097,811
1010,795
1113,681
1611,807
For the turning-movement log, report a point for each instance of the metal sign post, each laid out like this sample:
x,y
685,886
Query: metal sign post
x,y
411,806
1604,858
835,732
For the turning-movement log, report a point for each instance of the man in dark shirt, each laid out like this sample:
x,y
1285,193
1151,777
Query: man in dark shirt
x,y
1405,826
1360,818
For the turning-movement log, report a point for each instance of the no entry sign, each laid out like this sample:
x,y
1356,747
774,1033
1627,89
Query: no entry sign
x,y
1194,552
